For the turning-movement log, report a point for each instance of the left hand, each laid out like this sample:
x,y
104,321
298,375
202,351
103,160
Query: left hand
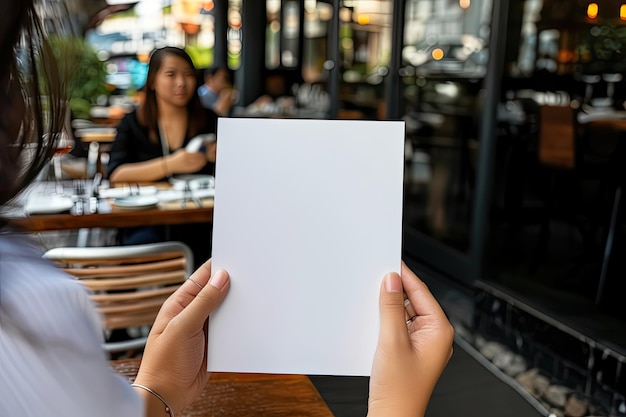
x,y
174,362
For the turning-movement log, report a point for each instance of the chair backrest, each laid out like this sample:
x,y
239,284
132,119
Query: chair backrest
x,y
128,283
599,143
557,131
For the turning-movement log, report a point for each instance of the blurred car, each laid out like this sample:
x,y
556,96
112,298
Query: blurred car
x,y
447,54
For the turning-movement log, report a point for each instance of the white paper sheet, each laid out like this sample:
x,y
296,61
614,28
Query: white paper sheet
x,y
308,219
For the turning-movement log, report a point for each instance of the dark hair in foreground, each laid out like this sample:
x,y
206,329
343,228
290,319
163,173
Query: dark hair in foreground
x,y
148,111
29,124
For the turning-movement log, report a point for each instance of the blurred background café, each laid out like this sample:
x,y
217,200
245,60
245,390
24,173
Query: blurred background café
x,y
515,159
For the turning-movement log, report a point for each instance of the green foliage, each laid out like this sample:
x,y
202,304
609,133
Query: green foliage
x,y
123,14
604,50
202,57
78,63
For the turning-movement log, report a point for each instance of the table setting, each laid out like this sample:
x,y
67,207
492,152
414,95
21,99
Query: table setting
x,y
74,204
599,109
76,197
185,189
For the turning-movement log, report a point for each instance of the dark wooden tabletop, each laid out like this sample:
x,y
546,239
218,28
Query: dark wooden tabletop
x,y
110,216
248,395
115,218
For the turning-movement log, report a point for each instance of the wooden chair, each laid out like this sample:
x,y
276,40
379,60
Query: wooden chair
x,y
583,157
557,137
128,284
556,154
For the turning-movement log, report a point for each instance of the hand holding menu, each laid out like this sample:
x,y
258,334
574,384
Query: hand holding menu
x,y
307,221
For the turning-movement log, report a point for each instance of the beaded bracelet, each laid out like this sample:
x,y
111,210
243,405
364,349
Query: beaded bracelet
x,y
168,409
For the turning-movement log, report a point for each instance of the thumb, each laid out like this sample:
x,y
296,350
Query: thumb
x,y
211,296
392,314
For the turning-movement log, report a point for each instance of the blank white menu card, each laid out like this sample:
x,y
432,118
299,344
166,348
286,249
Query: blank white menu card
x,y
307,221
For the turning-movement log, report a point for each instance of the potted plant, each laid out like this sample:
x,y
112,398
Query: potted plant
x,y
87,73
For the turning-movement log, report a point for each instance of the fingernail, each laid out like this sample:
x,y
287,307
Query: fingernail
x,y
393,283
218,280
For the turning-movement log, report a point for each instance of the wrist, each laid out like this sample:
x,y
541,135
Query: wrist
x,y
154,404
400,408
166,167
393,411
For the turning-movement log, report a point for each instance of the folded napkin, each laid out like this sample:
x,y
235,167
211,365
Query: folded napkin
x,y
126,191
171,195
194,182
48,204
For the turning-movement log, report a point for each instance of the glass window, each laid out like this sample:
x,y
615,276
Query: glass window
x,y
125,39
282,33
233,36
444,59
272,34
365,50
557,224
317,17
559,159
290,34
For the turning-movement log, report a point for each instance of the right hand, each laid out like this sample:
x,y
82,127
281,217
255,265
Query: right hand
x,y
183,162
174,362
411,354
228,96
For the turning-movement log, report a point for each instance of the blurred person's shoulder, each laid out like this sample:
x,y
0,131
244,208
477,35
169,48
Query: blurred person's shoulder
x,y
40,298
211,114
130,123
130,118
210,120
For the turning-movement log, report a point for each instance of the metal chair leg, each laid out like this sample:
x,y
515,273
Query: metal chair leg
x,y
608,247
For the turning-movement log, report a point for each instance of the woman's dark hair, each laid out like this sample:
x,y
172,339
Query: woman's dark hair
x,y
148,111
211,71
28,121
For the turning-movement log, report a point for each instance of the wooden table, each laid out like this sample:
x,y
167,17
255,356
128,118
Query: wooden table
x,y
617,125
115,219
101,135
248,395
110,216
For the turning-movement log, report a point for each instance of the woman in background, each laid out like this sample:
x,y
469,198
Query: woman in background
x,y
150,144
51,361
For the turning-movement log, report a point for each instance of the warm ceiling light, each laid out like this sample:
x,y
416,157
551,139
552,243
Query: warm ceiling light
x,y
622,12
592,10
272,6
363,19
565,56
345,14
465,4
310,6
437,54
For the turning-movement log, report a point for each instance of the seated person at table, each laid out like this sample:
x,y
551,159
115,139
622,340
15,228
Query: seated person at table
x,y
216,93
275,100
150,143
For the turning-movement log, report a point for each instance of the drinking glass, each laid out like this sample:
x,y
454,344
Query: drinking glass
x,y
64,145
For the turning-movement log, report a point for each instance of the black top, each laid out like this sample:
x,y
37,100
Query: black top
x,y
132,143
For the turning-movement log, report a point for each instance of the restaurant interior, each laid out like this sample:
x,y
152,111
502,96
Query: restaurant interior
x,y
515,122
